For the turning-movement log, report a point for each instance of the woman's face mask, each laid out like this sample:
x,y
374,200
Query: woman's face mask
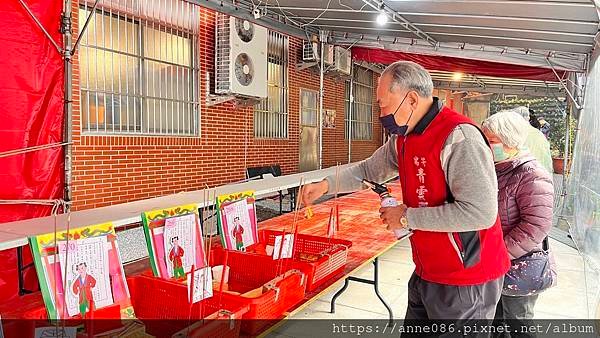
x,y
500,154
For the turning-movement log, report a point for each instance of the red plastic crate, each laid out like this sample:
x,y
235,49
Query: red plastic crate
x,y
334,256
163,307
248,272
19,317
22,316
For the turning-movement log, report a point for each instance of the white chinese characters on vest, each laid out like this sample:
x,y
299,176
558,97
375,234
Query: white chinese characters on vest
x,y
421,163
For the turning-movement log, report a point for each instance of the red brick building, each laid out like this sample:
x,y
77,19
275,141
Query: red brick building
x,y
123,152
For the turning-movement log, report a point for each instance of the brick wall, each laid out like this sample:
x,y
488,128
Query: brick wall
x,y
116,169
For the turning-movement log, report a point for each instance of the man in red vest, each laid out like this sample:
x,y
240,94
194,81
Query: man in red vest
x,y
449,189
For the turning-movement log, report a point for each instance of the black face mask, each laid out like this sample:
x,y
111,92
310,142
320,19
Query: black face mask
x,y
389,122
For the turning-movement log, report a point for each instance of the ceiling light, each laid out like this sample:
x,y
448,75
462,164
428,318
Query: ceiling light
x,y
382,18
457,76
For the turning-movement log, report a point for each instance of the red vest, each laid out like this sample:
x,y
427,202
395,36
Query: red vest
x,y
450,258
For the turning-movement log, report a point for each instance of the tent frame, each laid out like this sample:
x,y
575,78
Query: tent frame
x,y
276,18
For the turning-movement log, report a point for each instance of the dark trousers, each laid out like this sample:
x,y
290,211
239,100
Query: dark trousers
x,y
427,300
516,312
462,305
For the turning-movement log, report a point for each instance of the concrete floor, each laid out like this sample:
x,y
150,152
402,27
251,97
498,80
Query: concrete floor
x,y
566,300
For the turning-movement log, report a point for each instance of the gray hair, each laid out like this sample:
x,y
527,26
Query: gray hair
x,y
509,126
411,76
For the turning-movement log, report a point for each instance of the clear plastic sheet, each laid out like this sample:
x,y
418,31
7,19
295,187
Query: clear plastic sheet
x,y
584,186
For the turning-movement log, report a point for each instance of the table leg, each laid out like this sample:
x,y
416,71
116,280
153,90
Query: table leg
x,y
280,202
376,287
374,282
21,270
339,293
292,199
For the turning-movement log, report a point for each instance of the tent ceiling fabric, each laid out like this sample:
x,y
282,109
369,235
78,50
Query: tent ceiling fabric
x,y
485,84
563,30
489,84
446,63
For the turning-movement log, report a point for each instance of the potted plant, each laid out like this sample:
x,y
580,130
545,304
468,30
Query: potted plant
x,y
557,145
558,161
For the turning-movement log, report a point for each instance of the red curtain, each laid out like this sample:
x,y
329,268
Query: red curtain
x,y
453,64
31,114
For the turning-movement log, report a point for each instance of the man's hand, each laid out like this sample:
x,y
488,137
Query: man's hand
x,y
391,216
310,192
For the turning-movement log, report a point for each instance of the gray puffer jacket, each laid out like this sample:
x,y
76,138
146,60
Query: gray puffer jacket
x,y
525,203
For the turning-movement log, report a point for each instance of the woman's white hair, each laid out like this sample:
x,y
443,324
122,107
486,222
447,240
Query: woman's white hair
x,y
523,111
509,126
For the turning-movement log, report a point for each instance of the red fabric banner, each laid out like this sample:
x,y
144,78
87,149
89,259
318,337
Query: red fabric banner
x,y
31,114
453,64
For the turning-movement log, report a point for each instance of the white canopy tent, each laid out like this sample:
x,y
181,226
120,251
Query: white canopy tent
x,y
551,34
560,35
512,31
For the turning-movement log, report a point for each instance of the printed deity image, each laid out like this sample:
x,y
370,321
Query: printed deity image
x,y
82,286
90,258
238,221
174,239
182,234
94,279
237,232
175,256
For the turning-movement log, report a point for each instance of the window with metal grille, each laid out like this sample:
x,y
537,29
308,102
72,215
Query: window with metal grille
x,y
271,115
359,122
138,68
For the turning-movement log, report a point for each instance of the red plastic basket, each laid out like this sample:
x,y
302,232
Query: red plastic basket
x,y
163,307
333,256
248,272
19,317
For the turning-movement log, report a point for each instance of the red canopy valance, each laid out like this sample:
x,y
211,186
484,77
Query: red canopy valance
x,y
454,64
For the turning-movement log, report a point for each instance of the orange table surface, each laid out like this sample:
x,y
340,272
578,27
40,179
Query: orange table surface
x,y
359,223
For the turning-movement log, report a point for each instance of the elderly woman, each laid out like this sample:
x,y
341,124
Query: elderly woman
x,y
525,201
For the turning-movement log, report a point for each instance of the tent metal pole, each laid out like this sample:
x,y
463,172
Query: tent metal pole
x,y
87,22
66,30
562,83
323,38
39,24
350,111
567,142
578,89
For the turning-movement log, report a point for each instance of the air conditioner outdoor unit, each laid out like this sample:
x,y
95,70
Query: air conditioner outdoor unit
x,y
310,51
329,55
343,60
241,58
